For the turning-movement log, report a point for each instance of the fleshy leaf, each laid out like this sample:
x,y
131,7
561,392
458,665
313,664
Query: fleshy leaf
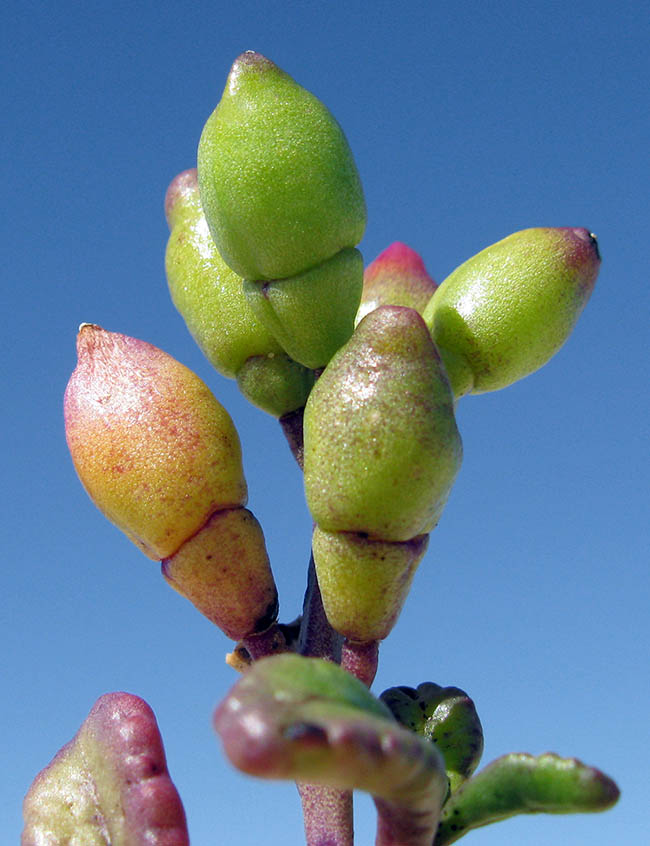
x,y
308,720
447,717
525,784
109,786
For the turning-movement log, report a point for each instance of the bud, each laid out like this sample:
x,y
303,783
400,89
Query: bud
x,y
396,277
505,312
161,458
279,186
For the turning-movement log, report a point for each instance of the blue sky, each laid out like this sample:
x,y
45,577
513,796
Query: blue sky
x,y
468,121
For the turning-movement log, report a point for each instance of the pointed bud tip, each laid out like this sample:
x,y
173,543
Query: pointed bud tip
x,y
403,257
246,64
182,185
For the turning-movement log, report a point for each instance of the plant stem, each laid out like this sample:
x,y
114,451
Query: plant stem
x,y
360,659
270,642
327,812
404,826
292,427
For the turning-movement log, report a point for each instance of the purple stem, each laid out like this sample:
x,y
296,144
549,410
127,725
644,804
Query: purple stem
x,y
360,659
404,826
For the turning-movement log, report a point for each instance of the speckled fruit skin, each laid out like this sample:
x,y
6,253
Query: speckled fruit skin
x,y
154,449
505,312
396,277
224,571
381,444
206,292
278,182
364,583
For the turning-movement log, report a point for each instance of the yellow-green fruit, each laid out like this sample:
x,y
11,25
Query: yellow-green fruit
x,y
279,186
224,571
152,446
207,293
312,314
382,448
364,583
505,312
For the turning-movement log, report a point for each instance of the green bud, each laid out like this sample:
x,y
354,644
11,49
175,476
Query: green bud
x,y
396,277
279,186
364,583
311,314
275,383
381,445
505,312
206,292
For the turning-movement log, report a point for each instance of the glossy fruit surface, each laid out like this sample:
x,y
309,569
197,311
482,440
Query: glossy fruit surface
x,y
505,312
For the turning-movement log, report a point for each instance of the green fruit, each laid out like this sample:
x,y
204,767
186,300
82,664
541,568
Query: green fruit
x,y
364,583
206,292
396,277
279,186
275,383
505,312
311,314
381,445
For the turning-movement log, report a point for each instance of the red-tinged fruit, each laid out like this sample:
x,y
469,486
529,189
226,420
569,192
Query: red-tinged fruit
x,y
224,571
152,446
110,784
396,277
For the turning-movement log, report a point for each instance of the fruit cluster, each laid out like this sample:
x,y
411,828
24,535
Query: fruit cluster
x,y
364,371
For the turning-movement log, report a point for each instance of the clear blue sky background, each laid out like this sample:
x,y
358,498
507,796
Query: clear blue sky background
x,y
468,121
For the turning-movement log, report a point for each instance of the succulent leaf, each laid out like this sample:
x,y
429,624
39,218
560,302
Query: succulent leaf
x,y
306,719
447,717
109,785
524,784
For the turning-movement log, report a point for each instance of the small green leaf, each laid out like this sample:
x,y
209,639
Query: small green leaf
x,y
447,717
307,720
109,786
524,784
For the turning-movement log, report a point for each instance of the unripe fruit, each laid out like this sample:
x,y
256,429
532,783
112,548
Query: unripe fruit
x,y
364,583
279,186
210,297
381,444
161,459
224,571
505,312
154,449
206,292
396,277
311,314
